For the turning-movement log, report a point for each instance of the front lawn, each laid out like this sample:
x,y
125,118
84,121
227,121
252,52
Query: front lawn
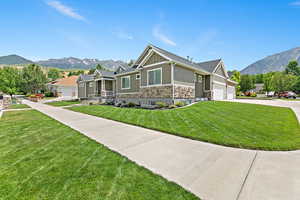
x,y
63,103
256,98
44,159
226,123
17,106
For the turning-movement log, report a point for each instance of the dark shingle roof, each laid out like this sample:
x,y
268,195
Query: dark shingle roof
x,y
131,69
106,73
204,66
209,65
86,77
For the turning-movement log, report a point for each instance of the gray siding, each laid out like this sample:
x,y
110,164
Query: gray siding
x,y
155,58
219,79
90,89
220,71
134,84
108,85
81,90
166,74
183,75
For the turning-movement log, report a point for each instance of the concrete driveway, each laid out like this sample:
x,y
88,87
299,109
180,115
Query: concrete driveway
x,y
294,105
210,171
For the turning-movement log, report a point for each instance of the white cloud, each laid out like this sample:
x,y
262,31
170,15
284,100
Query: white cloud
x,y
123,35
157,33
65,10
296,3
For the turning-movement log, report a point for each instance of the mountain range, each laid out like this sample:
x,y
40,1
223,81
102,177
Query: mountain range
x,y
275,62
64,63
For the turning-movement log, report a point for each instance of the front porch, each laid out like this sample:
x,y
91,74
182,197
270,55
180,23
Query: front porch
x,y
104,88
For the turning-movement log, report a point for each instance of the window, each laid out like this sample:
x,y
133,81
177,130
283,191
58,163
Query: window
x,y
138,76
125,82
154,77
81,85
90,84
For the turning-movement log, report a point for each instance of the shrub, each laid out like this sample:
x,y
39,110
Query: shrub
x,y
161,104
49,94
172,106
131,104
253,94
179,104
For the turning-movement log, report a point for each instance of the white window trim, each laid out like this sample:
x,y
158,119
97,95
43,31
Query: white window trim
x,y
160,76
123,88
136,76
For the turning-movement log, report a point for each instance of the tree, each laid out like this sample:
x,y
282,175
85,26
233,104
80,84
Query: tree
x,y
100,67
259,78
296,86
246,83
53,74
236,76
33,79
91,71
131,62
267,80
9,80
283,82
293,68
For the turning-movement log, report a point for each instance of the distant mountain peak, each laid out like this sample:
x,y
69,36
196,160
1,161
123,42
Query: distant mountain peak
x,y
275,62
14,59
76,63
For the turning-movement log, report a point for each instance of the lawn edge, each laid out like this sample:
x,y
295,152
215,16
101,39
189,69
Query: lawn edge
x,y
196,139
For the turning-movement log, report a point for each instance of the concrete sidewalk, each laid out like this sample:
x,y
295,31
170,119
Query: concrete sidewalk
x,y
210,171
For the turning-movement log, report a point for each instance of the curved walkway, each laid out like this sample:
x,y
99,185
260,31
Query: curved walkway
x,y
210,171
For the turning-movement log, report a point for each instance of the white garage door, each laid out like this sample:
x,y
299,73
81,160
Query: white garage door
x,y
230,92
67,92
218,94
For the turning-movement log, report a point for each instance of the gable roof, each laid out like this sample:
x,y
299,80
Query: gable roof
x,y
105,73
209,66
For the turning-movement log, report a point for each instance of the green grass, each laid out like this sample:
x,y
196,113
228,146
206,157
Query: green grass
x,y
260,98
44,159
285,99
17,106
226,123
63,103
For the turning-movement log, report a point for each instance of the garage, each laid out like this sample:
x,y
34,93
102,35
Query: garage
x,y
230,92
219,92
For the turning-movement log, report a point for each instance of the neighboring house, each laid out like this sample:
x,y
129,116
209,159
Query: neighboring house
x,y
64,87
259,87
159,75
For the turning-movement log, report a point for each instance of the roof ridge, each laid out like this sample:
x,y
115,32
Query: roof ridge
x,y
171,53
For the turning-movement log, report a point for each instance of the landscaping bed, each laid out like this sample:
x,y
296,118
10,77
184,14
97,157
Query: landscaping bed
x,y
225,123
44,159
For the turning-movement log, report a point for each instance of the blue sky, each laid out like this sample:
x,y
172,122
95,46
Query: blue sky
x,y
239,32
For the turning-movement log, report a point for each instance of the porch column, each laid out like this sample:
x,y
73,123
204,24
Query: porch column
x,y
103,86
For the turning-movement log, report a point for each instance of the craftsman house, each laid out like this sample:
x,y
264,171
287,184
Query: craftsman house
x,y
159,75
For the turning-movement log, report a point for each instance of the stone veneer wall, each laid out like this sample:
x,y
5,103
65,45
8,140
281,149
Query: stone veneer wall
x,y
184,92
157,92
